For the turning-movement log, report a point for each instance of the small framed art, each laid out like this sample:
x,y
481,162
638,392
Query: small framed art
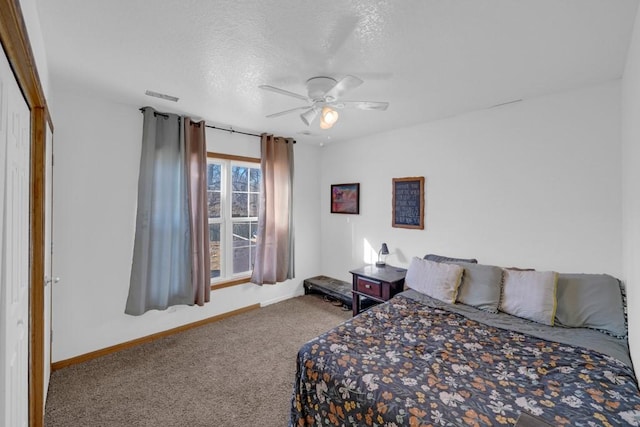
x,y
345,198
408,202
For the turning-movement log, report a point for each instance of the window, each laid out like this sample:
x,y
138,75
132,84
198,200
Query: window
x,y
233,189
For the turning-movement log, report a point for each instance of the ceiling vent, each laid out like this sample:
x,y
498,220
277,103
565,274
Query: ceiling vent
x,y
161,96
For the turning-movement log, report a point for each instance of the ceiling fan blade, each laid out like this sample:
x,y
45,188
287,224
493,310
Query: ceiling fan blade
x,y
346,84
362,105
282,113
283,92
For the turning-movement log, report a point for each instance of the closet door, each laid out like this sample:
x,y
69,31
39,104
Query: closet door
x,y
14,250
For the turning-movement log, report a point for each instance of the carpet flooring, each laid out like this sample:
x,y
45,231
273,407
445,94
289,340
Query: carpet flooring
x,y
238,371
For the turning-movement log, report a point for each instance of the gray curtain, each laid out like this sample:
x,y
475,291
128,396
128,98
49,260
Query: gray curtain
x,y
196,163
161,272
274,261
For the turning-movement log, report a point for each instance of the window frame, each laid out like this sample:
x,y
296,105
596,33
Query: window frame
x,y
226,219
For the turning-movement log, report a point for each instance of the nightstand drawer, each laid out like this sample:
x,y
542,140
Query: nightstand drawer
x,y
375,284
369,287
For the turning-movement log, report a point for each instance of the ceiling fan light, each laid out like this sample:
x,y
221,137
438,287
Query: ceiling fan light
x,y
325,125
309,116
329,116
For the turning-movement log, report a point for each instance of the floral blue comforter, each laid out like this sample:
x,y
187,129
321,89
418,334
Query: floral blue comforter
x,y
403,363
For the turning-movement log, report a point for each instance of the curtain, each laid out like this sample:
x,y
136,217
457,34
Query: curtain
x,y
196,164
168,219
274,261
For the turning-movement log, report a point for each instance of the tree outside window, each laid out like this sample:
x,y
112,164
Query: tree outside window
x,y
233,192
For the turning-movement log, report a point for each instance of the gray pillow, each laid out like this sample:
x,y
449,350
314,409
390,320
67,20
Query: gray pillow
x,y
441,258
591,301
530,295
481,286
437,279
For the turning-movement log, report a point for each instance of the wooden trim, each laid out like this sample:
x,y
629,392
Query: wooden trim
x,y
49,120
229,283
15,41
149,338
232,157
36,297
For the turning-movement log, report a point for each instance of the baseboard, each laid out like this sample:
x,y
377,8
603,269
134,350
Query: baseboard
x,y
149,338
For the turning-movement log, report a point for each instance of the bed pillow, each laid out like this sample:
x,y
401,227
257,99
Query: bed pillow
x,y
441,258
437,280
481,286
530,294
591,301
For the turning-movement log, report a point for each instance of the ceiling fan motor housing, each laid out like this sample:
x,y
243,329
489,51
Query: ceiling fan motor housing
x,y
317,87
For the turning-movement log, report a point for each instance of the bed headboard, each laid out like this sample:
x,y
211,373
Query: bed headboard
x,y
441,258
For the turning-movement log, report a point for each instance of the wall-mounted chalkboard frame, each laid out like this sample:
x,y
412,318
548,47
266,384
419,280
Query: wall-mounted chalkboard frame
x,y
408,203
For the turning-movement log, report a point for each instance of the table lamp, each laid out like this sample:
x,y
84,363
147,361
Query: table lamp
x,y
384,250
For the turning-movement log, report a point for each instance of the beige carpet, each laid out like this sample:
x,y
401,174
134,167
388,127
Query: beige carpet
x,y
235,372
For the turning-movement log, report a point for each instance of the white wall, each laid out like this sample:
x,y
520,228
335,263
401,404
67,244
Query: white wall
x,y
631,188
97,150
32,22
532,184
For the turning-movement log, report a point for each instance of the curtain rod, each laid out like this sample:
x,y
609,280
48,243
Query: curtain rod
x,y
156,113
231,130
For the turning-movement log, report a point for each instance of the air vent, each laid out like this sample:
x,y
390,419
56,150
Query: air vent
x,y
161,96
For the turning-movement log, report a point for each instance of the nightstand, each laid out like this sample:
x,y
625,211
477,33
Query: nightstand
x,y
376,283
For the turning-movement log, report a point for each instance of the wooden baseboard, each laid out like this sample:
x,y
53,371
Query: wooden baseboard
x,y
108,350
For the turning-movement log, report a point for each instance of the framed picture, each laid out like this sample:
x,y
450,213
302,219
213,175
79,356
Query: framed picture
x,y
408,202
345,198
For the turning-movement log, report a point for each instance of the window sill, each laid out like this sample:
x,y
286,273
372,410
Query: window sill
x,y
229,283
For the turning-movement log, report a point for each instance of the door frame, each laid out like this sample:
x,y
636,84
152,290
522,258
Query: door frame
x,y
15,41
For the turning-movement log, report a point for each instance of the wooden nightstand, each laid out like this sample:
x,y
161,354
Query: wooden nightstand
x,y
376,283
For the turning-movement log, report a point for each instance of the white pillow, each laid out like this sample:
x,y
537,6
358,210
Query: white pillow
x,y
530,294
438,280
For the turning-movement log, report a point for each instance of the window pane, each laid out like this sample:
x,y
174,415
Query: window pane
x,y
253,205
244,246
214,204
254,180
239,178
233,196
241,260
241,234
254,239
214,249
214,172
254,232
239,207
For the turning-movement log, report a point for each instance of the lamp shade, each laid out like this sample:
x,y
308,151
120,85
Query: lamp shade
x,y
384,250
329,115
325,125
309,116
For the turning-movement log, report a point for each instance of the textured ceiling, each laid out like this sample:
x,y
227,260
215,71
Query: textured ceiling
x,y
428,59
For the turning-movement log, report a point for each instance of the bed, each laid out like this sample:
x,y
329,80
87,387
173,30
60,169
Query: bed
x,y
417,360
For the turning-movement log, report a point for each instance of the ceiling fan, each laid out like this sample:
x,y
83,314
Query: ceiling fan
x,y
324,95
